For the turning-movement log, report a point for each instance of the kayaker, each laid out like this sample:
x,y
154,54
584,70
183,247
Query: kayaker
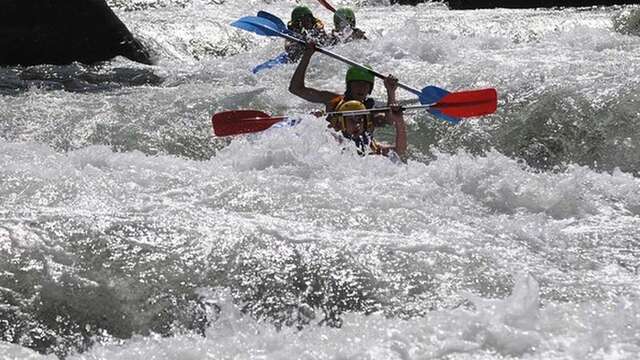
x,y
344,27
359,85
359,127
309,27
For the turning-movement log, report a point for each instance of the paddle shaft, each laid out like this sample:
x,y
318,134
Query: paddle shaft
x,y
444,104
382,109
328,6
348,61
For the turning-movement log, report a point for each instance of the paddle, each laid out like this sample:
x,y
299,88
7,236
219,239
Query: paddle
x,y
282,58
237,122
274,19
266,27
278,22
327,5
457,104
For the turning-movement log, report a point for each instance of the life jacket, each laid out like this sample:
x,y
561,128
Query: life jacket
x,y
363,141
316,31
341,37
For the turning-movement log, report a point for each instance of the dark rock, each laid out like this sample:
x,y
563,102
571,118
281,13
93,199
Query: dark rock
x,y
74,78
407,2
524,4
518,4
63,31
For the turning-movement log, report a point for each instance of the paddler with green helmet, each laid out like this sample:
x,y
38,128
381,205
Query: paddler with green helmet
x,y
344,27
308,27
359,83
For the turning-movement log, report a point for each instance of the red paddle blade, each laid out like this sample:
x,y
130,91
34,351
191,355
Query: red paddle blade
x,y
327,5
468,103
237,122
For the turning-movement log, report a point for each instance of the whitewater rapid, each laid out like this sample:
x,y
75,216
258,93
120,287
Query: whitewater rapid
x,y
128,230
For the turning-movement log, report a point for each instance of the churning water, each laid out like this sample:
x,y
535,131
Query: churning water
x,y
128,231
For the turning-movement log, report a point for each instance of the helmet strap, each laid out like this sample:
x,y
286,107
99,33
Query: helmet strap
x,y
368,102
347,94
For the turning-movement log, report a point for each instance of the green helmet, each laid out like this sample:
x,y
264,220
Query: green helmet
x,y
344,14
299,12
356,73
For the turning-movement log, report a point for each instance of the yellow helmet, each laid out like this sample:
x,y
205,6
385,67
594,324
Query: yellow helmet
x,y
338,121
351,105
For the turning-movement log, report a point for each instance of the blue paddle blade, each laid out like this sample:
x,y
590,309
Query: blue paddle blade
x,y
431,95
248,27
278,60
437,113
278,23
274,19
257,25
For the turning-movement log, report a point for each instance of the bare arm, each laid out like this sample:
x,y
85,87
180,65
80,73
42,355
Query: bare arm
x,y
395,117
400,146
297,85
384,119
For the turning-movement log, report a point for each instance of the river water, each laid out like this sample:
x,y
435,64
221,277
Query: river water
x,y
127,230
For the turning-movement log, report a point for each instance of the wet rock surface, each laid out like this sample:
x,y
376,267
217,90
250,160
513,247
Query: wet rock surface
x,y
60,32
